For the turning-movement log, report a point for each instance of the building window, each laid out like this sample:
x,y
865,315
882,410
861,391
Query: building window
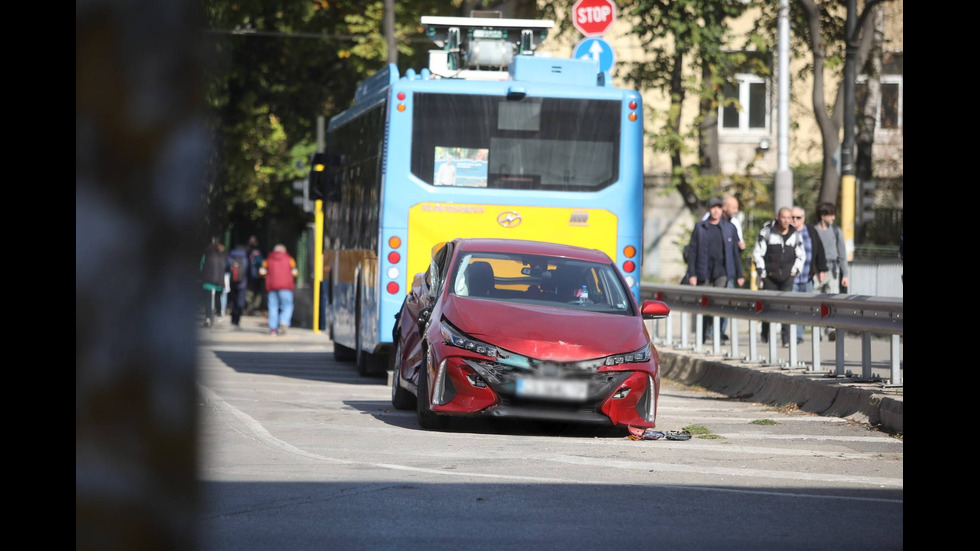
x,y
751,115
890,104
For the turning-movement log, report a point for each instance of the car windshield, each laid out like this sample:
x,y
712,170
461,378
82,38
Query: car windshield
x,y
541,280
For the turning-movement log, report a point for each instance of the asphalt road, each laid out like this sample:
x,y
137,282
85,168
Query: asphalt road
x,y
299,452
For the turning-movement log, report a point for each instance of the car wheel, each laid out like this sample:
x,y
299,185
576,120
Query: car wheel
x,y
427,419
400,398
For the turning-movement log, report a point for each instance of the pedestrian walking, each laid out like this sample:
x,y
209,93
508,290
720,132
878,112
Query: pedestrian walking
x,y
255,294
779,258
815,264
832,238
212,278
729,209
280,272
224,297
237,268
714,256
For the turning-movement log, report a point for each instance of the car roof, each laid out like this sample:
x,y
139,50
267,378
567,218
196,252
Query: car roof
x,y
532,247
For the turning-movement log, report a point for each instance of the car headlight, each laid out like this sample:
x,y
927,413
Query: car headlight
x,y
638,356
455,338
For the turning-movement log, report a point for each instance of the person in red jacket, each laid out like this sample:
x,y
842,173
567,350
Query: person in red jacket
x,y
279,270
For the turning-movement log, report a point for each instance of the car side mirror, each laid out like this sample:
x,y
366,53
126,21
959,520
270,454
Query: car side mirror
x,y
654,309
423,319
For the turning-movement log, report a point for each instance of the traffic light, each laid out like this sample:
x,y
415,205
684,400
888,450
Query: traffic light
x,y
866,202
318,176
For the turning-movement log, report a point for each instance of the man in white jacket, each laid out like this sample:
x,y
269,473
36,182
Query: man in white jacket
x,y
779,256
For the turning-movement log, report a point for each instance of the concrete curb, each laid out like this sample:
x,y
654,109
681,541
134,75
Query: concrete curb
x,y
833,397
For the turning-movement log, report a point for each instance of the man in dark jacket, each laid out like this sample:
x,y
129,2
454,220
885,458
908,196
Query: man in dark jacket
x,y
815,265
779,258
714,255
212,278
237,266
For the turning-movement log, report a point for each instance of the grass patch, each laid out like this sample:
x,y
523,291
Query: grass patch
x,y
763,422
785,408
701,431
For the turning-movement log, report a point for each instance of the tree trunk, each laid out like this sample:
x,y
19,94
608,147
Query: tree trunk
x,y
864,168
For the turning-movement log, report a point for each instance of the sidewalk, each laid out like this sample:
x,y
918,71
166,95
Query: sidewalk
x,y
815,392
255,330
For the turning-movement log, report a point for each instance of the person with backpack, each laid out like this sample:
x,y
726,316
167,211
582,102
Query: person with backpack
x,y
237,268
256,287
212,277
280,272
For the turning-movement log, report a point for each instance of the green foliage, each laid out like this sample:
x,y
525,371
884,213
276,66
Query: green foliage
x,y
276,65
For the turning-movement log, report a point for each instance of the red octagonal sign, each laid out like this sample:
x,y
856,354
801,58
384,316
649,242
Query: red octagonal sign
x,y
593,17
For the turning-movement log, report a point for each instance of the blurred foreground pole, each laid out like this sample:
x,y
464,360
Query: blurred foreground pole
x,y
140,151
783,195
847,184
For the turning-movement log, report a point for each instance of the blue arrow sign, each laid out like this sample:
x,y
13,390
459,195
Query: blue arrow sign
x,y
596,49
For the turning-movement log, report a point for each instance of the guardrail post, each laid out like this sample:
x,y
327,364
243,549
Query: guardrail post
x,y
896,362
733,339
839,351
753,341
684,330
716,335
698,332
773,352
815,342
866,356
793,356
669,329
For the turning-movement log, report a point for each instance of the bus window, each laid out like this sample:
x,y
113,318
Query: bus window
x,y
536,143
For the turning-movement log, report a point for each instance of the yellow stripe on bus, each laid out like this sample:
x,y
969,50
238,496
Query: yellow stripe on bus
x,y
431,223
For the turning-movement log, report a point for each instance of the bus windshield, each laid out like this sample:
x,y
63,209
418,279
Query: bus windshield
x,y
533,143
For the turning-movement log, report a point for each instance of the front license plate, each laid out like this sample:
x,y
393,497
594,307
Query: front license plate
x,y
552,388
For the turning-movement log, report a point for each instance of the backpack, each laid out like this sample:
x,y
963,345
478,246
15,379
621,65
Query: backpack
x,y
236,269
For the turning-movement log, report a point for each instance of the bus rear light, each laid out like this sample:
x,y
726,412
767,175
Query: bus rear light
x,y
401,96
394,242
394,257
629,251
392,288
401,107
629,266
632,104
632,116
393,273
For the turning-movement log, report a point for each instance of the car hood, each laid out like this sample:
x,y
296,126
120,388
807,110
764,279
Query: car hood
x,y
545,333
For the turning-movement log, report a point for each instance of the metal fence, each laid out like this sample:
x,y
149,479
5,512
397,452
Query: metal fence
x,y
867,316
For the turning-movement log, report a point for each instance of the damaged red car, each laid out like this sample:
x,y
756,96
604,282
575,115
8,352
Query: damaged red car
x,y
524,329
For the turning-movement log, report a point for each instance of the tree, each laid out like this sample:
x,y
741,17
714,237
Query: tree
x,y
275,66
689,46
820,30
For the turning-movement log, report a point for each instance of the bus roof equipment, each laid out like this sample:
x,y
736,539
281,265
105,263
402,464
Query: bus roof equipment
x,y
481,48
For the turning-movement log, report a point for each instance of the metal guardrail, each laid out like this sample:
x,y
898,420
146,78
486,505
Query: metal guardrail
x,y
863,314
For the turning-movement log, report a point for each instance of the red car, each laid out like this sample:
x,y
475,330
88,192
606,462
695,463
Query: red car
x,y
525,329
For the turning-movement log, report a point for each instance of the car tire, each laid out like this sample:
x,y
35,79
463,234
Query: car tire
x,y
400,398
426,418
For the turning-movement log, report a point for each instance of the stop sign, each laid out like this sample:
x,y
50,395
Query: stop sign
x,y
593,17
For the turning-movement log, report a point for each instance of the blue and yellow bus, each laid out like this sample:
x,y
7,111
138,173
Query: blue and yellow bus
x,y
489,141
